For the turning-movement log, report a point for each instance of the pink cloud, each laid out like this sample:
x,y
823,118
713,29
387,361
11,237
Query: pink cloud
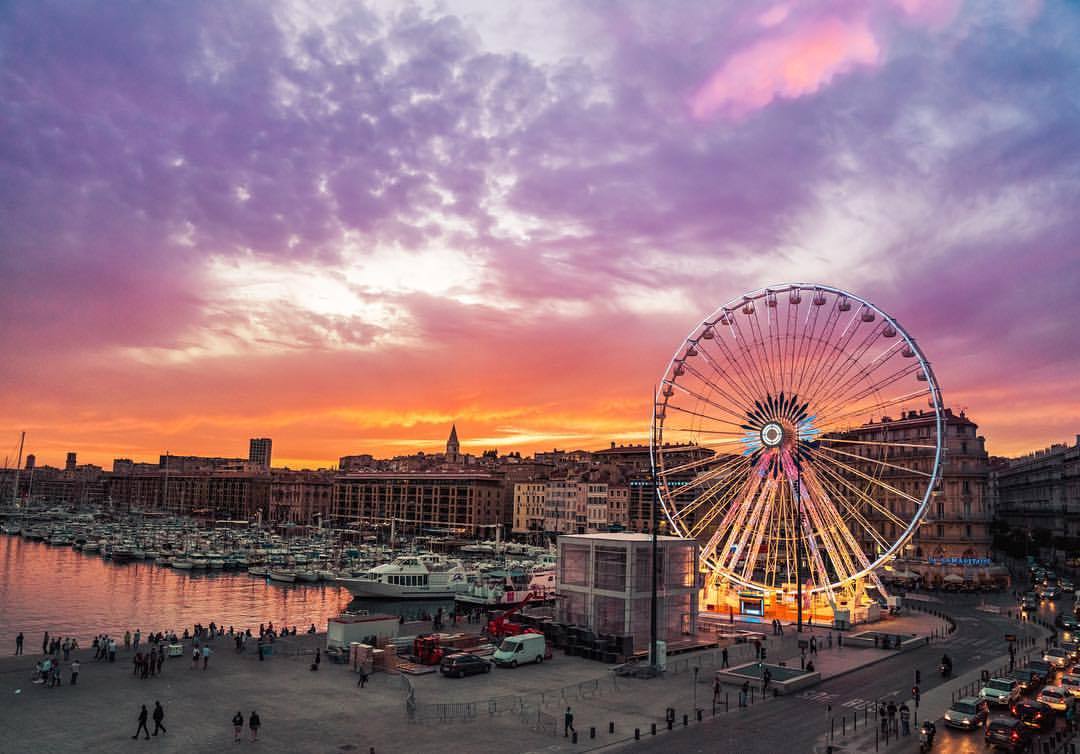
x,y
798,63
932,13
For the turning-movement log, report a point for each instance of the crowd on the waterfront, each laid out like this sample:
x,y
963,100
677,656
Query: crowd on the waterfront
x,y
149,650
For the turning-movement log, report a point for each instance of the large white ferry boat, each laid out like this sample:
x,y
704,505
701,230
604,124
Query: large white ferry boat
x,y
410,577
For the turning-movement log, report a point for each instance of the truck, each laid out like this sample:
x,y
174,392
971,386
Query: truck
x,y
521,649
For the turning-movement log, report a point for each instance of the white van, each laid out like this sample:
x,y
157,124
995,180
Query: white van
x,y
520,649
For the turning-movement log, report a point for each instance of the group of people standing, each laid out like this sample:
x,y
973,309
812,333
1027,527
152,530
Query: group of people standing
x,y
149,663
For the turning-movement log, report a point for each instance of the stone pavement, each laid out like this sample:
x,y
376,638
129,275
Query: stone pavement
x,y
305,711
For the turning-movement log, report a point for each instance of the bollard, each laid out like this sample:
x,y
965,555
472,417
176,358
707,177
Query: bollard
x,y
843,726
637,734
685,720
832,727
726,700
611,727
700,712
574,739
670,724
653,731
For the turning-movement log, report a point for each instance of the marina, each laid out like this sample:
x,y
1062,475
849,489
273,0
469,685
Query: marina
x,y
76,576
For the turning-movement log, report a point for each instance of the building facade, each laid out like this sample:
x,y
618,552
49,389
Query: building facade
x,y
1041,492
462,503
956,527
259,451
529,500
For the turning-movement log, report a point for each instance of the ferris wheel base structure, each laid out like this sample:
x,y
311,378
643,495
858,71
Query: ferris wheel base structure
x,y
767,450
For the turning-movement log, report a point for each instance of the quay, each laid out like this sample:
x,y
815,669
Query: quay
x,y
517,710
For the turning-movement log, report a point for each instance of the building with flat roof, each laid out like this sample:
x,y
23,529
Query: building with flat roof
x,y
605,582
259,450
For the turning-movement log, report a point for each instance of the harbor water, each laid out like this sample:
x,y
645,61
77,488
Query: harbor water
x,y
62,591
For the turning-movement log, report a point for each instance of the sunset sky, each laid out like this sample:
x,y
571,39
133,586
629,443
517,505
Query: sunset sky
x,y
347,225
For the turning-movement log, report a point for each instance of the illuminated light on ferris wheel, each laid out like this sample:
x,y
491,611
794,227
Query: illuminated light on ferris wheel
x,y
771,390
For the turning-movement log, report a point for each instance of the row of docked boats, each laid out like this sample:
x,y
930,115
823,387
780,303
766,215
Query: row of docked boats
x,y
505,575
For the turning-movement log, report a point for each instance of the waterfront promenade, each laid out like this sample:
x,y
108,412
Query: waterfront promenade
x,y
305,711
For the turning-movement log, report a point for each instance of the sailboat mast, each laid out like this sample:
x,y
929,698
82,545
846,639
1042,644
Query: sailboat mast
x,y
18,464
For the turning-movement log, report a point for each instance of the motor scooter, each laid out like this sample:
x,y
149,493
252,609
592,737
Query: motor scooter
x,y
926,736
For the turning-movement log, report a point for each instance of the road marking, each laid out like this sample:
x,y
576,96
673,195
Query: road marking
x,y
818,696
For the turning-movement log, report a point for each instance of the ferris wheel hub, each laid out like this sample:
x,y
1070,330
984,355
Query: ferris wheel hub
x,y
772,434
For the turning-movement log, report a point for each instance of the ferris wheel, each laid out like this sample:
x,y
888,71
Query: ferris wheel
x,y
797,434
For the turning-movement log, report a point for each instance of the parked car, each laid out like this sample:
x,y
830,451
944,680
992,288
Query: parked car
x,y
1057,657
1030,602
1066,585
463,664
1071,683
1043,667
1055,697
1072,648
1028,679
1008,733
967,713
1034,714
1051,593
1000,692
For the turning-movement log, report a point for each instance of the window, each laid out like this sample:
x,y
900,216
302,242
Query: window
x,y
941,531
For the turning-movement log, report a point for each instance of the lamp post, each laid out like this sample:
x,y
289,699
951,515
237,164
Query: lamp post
x,y
798,536
654,658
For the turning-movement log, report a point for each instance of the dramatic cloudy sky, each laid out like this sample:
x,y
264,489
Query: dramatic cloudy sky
x,y
345,226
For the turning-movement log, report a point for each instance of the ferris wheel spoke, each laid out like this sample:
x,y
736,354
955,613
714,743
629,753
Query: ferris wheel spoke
x,y
688,466
819,345
767,364
736,377
716,476
844,392
726,503
844,468
822,530
700,415
845,382
837,372
870,459
873,389
873,442
760,380
853,511
829,423
839,347
713,386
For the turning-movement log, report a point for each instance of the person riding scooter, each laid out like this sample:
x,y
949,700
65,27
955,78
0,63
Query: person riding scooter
x,y
946,665
926,736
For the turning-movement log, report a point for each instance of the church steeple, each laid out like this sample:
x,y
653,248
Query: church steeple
x,y
453,447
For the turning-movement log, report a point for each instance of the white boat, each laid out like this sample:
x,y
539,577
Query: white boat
x,y
282,575
184,564
410,577
328,575
303,574
261,571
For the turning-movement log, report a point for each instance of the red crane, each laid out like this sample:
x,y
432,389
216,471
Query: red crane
x,y
500,626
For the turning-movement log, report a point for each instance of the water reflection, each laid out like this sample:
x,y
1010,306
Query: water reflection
x,y
60,590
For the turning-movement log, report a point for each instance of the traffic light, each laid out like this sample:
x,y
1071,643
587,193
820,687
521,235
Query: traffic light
x,y
915,694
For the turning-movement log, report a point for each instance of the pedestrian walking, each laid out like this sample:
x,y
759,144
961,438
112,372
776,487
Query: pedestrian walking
x,y
766,679
143,714
905,720
75,672
159,715
363,679
112,650
238,726
45,644
891,711
744,693
813,645
19,643
194,658
715,690
839,641
127,640
884,720
568,723
723,658
830,640
254,723
205,656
